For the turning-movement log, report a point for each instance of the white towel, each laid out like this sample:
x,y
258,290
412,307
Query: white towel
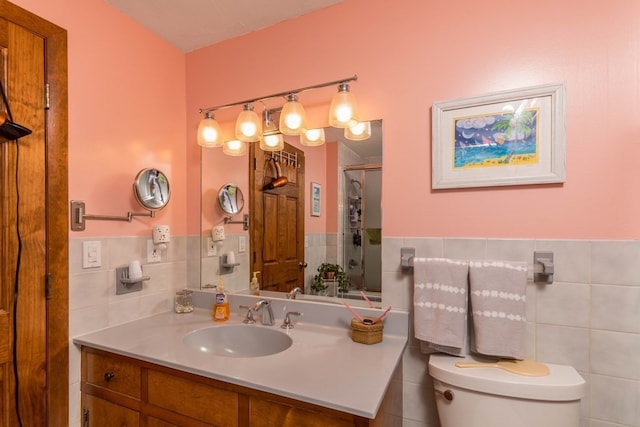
x,y
440,301
498,304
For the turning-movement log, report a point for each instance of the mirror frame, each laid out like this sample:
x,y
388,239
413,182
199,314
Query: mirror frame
x,y
144,191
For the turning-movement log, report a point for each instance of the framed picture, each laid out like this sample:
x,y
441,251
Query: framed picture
x,y
513,137
316,194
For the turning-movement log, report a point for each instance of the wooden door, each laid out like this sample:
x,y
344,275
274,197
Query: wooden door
x,y
33,209
277,220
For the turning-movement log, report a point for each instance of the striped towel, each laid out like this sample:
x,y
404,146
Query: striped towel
x,y
440,301
498,304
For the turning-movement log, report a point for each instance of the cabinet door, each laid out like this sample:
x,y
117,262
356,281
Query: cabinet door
x,y
100,413
204,403
264,413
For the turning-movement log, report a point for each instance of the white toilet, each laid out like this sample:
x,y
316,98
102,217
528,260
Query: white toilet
x,y
492,397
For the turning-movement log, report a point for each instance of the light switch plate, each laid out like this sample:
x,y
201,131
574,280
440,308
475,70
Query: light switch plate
x,y
242,244
91,254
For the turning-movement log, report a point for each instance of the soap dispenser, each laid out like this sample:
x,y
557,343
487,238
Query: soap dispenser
x,y
255,286
220,304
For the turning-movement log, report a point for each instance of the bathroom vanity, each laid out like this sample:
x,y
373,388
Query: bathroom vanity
x,y
142,374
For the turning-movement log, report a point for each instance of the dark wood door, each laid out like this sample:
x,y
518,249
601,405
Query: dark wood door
x,y
277,219
33,224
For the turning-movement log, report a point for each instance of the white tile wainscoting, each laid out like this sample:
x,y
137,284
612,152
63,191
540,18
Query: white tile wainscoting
x,y
588,318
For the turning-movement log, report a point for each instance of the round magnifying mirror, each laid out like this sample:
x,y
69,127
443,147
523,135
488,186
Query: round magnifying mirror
x,y
151,189
230,199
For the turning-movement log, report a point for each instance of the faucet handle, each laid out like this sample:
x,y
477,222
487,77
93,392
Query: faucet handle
x,y
249,317
287,319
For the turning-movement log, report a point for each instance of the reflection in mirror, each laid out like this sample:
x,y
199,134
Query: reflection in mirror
x,y
230,199
362,237
348,171
151,189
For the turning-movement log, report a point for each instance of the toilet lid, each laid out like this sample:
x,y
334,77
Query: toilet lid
x,y
562,384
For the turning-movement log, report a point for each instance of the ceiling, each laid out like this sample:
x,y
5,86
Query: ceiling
x,y
193,24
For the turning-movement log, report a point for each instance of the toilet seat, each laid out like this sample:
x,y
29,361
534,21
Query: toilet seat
x,y
562,384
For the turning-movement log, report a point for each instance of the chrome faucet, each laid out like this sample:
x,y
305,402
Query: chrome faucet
x,y
287,324
248,319
267,312
295,291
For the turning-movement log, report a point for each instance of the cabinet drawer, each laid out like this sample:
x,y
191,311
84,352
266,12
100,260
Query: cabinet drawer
x,y
196,400
113,374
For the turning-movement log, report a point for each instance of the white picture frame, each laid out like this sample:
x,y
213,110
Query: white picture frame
x,y
316,199
512,137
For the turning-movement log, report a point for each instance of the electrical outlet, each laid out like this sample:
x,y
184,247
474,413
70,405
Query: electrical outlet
x,y
212,249
91,254
153,253
242,244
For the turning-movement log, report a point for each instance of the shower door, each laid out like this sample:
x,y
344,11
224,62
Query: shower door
x,y
363,227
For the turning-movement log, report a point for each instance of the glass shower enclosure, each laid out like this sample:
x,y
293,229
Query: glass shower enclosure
x,y
362,235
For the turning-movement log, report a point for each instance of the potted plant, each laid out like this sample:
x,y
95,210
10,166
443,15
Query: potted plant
x,y
328,271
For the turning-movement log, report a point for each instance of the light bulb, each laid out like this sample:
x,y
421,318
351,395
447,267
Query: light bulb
x,y
312,137
358,132
209,131
342,113
234,147
248,125
272,142
292,116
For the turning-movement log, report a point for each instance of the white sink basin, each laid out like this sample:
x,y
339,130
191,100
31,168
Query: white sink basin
x,y
238,341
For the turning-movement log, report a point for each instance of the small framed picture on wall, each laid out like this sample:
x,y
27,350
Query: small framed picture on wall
x,y
316,198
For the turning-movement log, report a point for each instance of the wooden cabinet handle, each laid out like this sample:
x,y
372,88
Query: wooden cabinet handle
x,y
108,376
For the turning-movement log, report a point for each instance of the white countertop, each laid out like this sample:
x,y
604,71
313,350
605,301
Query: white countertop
x,y
323,366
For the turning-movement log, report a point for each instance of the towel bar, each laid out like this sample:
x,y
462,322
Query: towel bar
x,y
542,267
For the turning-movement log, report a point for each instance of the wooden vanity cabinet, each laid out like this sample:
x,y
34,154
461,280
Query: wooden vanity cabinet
x,y
121,391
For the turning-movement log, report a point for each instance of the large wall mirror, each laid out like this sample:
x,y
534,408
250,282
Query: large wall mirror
x,y
347,231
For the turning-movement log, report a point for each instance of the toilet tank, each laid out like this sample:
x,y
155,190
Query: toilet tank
x,y
491,397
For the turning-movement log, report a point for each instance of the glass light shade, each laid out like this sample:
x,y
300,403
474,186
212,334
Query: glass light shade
x,y
248,125
272,142
292,117
312,137
209,132
359,132
234,147
342,113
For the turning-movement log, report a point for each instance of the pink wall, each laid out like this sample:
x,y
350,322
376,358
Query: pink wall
x,y
126,112
127,104
410,53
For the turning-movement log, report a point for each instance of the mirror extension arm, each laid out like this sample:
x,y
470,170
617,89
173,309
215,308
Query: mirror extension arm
x,y
78,216
244,222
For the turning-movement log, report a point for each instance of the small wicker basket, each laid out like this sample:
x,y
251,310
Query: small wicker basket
x,y
366,333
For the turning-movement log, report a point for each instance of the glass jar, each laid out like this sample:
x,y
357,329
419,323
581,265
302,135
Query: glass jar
x,y
183,302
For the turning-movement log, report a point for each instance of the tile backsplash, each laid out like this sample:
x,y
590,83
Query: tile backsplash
x,y
588,318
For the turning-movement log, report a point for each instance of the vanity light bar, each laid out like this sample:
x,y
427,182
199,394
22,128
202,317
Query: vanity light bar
x,y
280,94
